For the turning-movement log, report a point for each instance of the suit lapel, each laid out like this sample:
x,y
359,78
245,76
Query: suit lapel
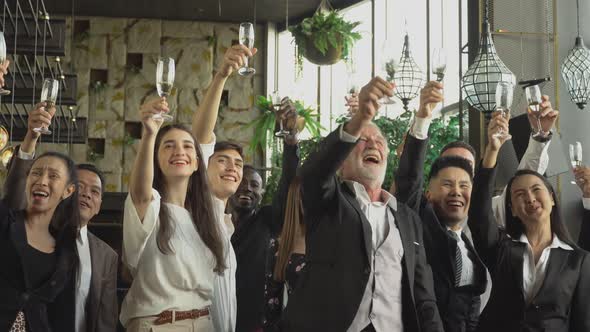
x,y
409,245
367,232
517,262
557,260
95,283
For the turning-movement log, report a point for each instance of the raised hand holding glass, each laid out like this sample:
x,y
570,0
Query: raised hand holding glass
x,y
48,96
246,39
504,93
3,92
165,72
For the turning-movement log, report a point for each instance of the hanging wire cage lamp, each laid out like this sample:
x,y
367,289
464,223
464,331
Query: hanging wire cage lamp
x,y
481,78
576,70
408,76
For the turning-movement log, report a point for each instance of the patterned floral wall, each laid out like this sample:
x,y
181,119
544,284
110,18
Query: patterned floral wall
x,y
115,60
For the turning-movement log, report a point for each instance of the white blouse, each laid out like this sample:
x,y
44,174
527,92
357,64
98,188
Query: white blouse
x,y
225,306
533,274
179,281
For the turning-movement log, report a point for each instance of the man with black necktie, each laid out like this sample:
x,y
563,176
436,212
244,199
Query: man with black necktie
x,y
366,266
459,274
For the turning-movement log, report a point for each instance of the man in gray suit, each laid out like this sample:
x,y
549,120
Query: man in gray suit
x,y
96,282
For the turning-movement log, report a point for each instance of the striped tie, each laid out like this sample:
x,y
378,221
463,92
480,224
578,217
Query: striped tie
x,y
458,259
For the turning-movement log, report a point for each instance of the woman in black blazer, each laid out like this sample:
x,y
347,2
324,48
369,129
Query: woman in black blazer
x,y
523,297
38,250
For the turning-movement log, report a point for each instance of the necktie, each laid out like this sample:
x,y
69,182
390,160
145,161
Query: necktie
x,y
458,259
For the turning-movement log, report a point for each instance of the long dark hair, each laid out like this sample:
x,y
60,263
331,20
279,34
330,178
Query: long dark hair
x,y
65,222
293,226
198,202
514,226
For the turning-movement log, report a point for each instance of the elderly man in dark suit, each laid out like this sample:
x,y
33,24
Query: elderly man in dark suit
x,y
366,266
96,283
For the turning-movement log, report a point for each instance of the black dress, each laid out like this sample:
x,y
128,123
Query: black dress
x,y
273,292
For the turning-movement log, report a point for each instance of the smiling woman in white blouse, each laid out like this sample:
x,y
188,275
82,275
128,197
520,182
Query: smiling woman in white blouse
x,y
171,243
540,278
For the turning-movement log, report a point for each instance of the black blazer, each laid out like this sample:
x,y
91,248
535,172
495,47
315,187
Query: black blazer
x,y
251,242
459,307
102,307
563,302
16,294
338,245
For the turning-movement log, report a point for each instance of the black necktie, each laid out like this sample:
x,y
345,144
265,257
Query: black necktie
x,y
458,259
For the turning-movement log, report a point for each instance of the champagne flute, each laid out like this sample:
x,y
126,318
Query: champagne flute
x,y
389,68
48,96
576,155
351,91
3,92
165,72
276,103
247,39
504,93
439,63
534,100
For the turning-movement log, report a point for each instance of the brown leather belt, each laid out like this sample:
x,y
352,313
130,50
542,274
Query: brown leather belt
x,y
170,316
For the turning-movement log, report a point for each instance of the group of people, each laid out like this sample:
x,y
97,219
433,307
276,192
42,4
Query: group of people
x,y
333,252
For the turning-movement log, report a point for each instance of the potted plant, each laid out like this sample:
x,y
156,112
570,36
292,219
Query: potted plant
x,y
266,122
325,38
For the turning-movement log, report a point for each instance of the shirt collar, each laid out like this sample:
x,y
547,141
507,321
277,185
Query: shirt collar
x,y
555,243
83,235
361,193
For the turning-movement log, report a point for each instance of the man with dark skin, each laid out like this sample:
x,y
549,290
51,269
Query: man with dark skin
x,y
254,226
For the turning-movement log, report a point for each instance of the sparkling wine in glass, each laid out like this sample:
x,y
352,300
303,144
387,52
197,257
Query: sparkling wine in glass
x,y
49,93
576,155
277,103
439,63
504,93
247,39
3,92
534,100
165,72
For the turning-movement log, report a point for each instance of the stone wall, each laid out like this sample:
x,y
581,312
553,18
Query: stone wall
x,y
115,60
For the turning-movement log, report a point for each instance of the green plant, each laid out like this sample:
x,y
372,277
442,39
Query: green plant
x,y
324,30
265,123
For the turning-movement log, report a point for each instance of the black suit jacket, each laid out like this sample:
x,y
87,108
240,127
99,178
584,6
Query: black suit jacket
x,y
251,242
48,307
102,312
562,304
338,245
459,307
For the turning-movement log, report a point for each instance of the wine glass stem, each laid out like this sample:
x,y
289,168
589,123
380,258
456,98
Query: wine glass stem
x,y
245,61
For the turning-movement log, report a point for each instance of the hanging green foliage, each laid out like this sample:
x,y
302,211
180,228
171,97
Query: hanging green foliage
x,y
442,131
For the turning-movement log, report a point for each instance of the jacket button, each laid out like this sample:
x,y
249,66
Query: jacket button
x,y
53,283
367,270
25,297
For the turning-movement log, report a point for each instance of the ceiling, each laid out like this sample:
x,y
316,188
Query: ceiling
x,y
193,10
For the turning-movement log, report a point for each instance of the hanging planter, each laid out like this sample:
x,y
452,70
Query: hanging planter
x,y
325,38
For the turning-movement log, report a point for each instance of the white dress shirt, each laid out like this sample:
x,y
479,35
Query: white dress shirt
x,y
83,279
224,307
533,274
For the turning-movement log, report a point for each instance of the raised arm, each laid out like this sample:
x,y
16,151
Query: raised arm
x,y
409,177
535,157
14,185
318,181
206,115
485,232
288,114
142,176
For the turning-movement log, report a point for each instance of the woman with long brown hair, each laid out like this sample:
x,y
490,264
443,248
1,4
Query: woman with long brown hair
x,y
287,257
171,242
